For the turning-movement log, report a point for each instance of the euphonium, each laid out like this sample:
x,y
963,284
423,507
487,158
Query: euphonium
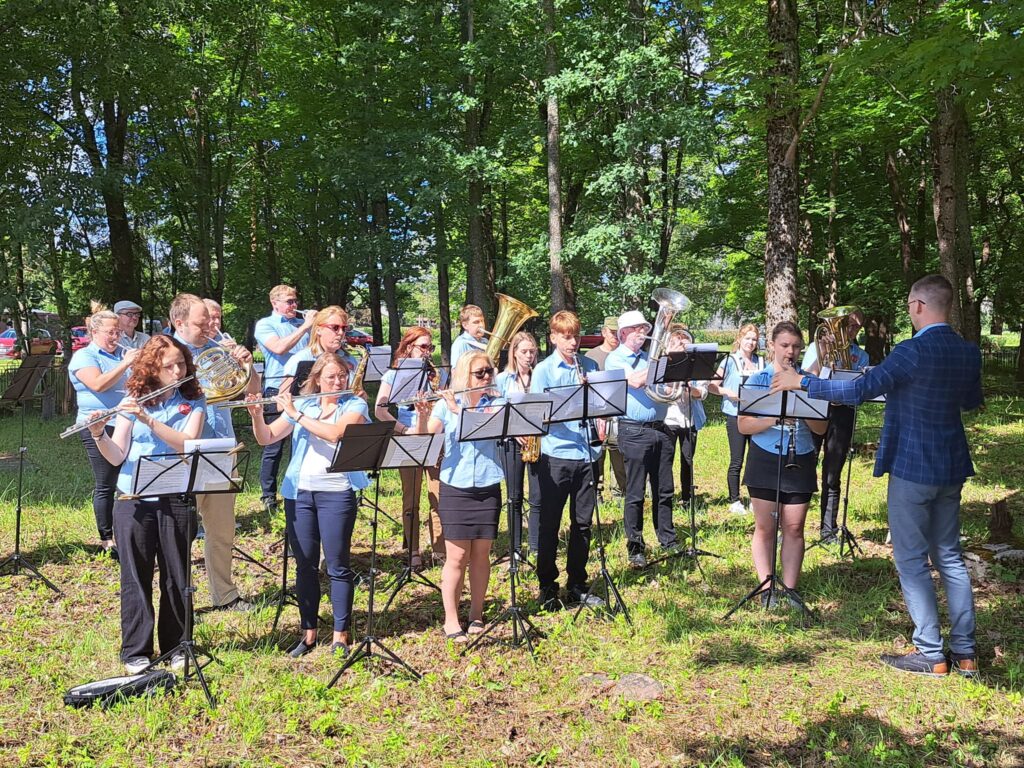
x,y
221,375
512,313
831,337
669,304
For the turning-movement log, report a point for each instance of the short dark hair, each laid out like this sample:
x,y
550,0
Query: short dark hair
x,y
935,291
786,327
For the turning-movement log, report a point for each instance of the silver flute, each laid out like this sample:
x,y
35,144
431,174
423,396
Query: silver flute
x,y
101,415
268,400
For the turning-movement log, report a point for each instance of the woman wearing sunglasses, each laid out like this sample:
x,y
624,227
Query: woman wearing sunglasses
x,y
470,498
326,335
418,345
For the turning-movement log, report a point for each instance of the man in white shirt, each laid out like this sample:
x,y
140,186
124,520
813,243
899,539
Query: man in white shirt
x,y
128,315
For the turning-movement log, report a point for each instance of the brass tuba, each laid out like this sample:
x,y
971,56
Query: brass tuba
x,y
512,313
221,376
669,304
831,337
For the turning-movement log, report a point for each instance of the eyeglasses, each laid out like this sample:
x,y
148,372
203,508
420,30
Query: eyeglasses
x,y
290,301
130,314
424,347
483,373
916,301
334,327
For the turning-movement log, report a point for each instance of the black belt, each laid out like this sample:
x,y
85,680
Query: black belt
x,y
651,424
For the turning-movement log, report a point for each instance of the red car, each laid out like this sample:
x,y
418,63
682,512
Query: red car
x,y
42,344
591,340
79,338
356,338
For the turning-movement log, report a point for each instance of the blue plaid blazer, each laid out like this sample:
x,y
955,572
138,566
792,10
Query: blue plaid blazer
x,y
927,381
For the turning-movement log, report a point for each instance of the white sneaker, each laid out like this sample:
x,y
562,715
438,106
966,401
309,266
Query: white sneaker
x,y
177,662
737,508
135,665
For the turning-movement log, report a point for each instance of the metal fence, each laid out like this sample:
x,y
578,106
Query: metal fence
x,y
1001,359
55,395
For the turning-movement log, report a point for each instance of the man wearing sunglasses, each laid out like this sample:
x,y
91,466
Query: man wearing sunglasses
x,y
128,315
279,335
928,380
565,472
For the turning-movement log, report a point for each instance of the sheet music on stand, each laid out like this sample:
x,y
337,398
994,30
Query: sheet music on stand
x,y
842,374
378,362
606,397
528,415
302,370
361,447
698,362
757,401
198,471
413,450
411,378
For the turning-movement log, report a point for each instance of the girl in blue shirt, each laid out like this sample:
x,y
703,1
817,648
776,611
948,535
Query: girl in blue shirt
x,y
761,477
470,497
320,506
153,529
97,373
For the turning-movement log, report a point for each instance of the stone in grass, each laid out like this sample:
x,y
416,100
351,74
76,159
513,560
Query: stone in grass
x,y
637,686
1010,556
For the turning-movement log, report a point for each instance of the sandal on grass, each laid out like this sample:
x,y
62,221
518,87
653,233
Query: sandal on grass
x,y
456,637
476,627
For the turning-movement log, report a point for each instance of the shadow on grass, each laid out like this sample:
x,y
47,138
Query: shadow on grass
x,y
854,738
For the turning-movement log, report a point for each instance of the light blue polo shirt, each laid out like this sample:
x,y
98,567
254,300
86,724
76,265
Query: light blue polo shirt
x,y
300,442
175,412
90,401
566,440
463,343
734,377
639,406
218,420
276,324
769,439
306,356
406,414
470,463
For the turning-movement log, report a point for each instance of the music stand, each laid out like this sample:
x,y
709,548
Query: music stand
x,y
22,389
600,394
377,363
362,448
417,451
783,405
697,362
184,475
526,418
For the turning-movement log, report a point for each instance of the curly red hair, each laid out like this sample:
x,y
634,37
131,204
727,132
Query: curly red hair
x,y
145,376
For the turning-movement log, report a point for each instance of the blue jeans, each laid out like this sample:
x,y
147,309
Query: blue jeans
x,y
326,517
924,521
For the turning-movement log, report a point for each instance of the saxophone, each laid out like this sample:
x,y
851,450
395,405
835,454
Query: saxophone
x,y
529,451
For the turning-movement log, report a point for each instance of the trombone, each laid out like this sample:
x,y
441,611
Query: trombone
x,y
269,400
101,415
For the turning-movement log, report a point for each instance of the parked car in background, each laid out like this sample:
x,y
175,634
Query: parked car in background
x,y
42,344
591,340
79,338
355,337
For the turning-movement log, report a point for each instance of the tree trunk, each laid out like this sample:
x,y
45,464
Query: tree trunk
x,y
783,178
476,267
832,247
443,290
952,217
554,161
902,220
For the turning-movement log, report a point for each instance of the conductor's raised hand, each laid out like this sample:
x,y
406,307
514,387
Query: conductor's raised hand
x,y
786,378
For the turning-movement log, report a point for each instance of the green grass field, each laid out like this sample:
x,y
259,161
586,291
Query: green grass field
x,y
758,689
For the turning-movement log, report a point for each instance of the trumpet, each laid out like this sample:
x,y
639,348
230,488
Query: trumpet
x,y
434,397
270,400
101,415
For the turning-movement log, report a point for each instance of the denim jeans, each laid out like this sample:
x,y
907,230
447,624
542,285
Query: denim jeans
x,y
925,522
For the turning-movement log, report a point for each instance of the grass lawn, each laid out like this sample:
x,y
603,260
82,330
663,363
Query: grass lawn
x,y
758,689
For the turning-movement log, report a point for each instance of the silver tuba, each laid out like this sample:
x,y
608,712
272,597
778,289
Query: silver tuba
x,y
669,304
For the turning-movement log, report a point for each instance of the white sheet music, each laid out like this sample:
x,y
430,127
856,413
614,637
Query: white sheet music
x,y
378,363
409,380
413,451
607,397
161,477
756,401
216,464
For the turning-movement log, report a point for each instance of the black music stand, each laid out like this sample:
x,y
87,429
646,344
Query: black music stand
x,y
584,402
19,392
682,367
412,451
184,475
362,448
499,423
780,406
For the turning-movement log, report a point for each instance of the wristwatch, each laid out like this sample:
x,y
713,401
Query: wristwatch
x,y
804,382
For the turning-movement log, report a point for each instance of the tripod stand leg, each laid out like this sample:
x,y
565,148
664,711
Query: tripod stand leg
x,y
19,563
752,594
241,554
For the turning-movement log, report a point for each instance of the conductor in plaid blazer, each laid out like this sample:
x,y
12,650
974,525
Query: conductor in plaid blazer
x,y
928,381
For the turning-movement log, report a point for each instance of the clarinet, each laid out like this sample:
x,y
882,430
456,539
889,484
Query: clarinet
x,y
594,439
791,462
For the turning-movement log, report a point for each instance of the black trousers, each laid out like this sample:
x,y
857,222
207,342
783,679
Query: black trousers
x,y
515,478
270,462
611,450
836,451
737,448
561,480
648,454
104,484
686,437
157,531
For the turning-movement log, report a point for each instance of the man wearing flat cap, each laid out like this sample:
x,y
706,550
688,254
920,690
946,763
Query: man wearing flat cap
x,y
646,446
128,315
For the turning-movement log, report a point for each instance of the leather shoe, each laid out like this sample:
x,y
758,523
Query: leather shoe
x,y
590,600
549,600
300,649
637,561
964,665
917,663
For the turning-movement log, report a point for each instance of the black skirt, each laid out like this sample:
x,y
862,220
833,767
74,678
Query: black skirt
x,y
468,514
762,471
